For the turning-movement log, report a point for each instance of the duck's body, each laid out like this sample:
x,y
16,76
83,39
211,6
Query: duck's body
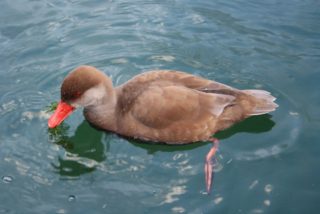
x,y
166,106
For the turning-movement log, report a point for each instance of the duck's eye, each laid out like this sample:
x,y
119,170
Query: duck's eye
x,y
77,94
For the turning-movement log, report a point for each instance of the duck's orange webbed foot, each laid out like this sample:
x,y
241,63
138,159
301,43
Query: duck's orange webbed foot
x,y
208,167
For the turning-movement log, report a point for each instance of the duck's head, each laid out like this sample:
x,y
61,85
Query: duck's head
x,y
83,87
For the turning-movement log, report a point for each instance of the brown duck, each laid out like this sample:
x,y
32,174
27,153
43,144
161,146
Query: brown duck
x,y
162,106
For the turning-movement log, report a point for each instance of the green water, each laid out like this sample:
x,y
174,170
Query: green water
x,y
265,164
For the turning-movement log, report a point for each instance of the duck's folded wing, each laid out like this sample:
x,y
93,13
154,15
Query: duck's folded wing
x,y
160,107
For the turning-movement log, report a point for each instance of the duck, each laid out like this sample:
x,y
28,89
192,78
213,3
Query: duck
x,y
166,106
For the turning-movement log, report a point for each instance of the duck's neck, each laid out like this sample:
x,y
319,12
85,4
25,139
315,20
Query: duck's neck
x,y
102,113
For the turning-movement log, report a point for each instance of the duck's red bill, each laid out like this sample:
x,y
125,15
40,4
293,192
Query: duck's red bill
x,y
62,112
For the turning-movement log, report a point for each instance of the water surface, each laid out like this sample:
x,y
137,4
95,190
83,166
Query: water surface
x,y
266,164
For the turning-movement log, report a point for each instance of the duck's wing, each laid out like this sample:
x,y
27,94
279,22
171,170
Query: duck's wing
x,y
161,106
161,97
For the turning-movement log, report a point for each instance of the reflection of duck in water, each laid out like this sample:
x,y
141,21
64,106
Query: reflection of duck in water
x,y
165,106
83,148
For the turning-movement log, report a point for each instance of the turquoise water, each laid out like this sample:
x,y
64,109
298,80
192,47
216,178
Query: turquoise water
x,y
266,164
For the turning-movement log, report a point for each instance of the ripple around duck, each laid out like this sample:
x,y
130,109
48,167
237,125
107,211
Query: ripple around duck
x,y
42,41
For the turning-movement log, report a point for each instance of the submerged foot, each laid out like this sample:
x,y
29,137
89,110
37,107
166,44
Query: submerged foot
x,y
208,166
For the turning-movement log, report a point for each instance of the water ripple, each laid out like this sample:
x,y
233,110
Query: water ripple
x,y
270,144
268,45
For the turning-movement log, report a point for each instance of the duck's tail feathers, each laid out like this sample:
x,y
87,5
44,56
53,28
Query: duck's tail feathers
x,y
264,101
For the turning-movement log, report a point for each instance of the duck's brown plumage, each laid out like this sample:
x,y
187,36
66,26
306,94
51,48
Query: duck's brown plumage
x,y
168,106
